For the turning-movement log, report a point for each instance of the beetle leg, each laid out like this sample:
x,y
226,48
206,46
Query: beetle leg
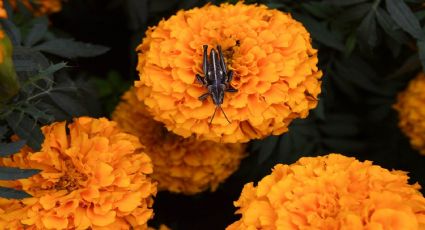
x,y
230,89
203,96
201,80
205,60
229,76
222,64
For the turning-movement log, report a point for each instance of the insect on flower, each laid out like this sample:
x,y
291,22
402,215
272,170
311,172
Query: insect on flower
x,y
217,79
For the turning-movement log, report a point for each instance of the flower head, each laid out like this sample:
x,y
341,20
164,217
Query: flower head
x,y
331,192
3,13
94,177
40,7
270,53
181,165
411,109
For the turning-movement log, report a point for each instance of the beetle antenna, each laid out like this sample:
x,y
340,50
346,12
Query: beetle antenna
x,y
212,118
225,115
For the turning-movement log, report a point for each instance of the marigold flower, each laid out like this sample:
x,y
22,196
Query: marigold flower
x,y
270,53
181,165
411,109
3,13
40,7
331,192
95,177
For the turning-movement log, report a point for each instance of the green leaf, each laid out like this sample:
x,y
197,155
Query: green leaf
x,y
68,103
7,149
10,193
319,9
3,131
405,18
411,65
344,2
367,29
37,32
389,26
26,128
16,173
421,47
267,147
69,48
12,31
321,33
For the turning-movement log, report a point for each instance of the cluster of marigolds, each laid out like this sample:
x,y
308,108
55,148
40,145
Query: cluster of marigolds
x,y
101,174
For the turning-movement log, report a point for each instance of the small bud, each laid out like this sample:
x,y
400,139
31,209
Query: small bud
x,y
9,85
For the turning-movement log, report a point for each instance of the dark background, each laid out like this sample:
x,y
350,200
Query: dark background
x,y
364,69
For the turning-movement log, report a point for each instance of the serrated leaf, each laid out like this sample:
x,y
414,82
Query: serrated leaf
x,y
320,32
7,149
69,48
16,173
10,193
389,26
421,48
37,32
405,18
367,29
53,68
26,128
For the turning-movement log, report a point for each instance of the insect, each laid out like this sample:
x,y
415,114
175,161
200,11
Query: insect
x,y
217,78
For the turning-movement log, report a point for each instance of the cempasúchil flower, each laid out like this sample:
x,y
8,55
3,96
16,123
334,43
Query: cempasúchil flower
x,y
181,165
270,53
93,176
331,192
411,110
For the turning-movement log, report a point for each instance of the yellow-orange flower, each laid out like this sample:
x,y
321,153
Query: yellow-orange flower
x,y
411,109
3,13
180,165
94,177
40,7
270,53
331,192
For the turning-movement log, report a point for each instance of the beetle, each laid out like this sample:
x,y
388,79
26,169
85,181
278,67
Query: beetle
x,y
216,78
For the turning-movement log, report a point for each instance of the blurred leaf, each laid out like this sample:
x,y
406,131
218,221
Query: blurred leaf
x,y
319,9
411,65
350,44
160,6
367,29
37,32
16,173
138,13
389,26
421,47
12,31
405,18
10,193
320,32
3,131
26,128
344,145
7,149
68,103
353,14
268,145
345,2
69,48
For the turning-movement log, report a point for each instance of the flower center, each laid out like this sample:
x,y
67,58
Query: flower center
x,y
72,178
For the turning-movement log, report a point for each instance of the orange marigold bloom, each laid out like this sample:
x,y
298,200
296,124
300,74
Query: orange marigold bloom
x,y
3,13
181,165
331,192
94,177
411,109
274,64
40,7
